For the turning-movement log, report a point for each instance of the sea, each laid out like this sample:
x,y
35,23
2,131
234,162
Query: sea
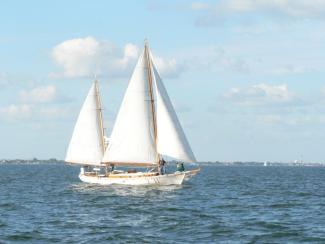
x,y
47,203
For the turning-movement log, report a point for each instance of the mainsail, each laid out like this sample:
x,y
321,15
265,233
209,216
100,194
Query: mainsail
x,y
145,131
171,140
87,143
132,140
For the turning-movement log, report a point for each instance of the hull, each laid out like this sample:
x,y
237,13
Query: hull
x,y
134,179
190,173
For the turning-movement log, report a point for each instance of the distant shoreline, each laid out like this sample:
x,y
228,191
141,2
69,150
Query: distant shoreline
x,y
216,163
31,161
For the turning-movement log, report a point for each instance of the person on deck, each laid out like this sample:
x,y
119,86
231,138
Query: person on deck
x,y
162,169
180,167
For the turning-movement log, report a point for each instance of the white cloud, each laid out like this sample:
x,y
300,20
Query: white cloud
x,y
53,112
291,69
16,112
15,79
305,8
269,119
286,120
81,57
33,112
297,8
262,94
84,57
38,103
131,52
43,94
214,13
168,68
200,6
215,58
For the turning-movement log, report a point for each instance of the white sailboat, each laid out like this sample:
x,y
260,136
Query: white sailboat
x,y
145,131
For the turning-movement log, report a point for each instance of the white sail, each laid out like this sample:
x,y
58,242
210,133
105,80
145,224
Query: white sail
x,y
86,145
171,140
132,139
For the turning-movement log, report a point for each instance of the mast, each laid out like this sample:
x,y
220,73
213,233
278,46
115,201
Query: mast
x,y
152,101
100,117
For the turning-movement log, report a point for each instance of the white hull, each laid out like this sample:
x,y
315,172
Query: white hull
x,y
190,173
134,179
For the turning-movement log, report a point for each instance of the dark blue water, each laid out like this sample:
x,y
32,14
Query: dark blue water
x,y
223,204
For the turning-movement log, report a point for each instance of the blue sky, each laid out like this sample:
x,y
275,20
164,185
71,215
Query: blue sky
x,y
246,77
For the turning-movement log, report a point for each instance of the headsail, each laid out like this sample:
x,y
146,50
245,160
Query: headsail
x,y
86,145
171,140
132,141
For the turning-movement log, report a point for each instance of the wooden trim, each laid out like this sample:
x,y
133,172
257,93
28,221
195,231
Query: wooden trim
x,y
132,175
134,164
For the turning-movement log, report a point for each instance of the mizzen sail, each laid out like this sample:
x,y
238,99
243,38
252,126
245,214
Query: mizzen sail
x,y
87,142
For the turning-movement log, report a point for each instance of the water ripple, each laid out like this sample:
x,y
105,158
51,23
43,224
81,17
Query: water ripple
x,y
48,204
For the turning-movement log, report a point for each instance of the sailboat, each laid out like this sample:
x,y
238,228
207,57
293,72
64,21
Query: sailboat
x,y
145,133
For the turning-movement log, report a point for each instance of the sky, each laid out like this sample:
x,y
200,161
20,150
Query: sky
x,y
246,77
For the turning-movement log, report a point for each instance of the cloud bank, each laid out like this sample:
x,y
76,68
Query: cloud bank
x,y
85,57
42,94
226,10
38,103
293,8
262,94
